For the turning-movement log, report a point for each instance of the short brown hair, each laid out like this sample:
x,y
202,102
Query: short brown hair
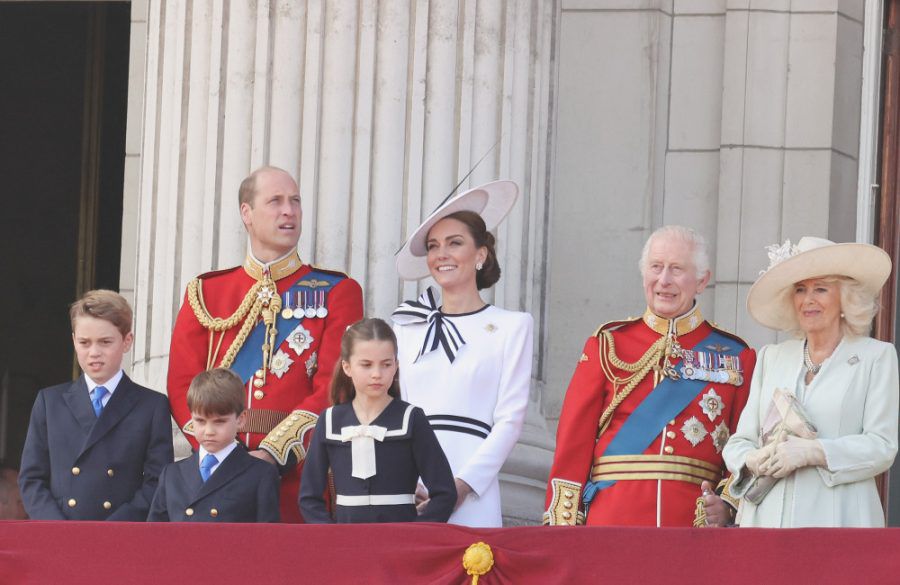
x,y
247,190
103,304
216,391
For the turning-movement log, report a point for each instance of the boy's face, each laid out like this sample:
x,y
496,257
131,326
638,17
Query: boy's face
x,y
99,347
216,431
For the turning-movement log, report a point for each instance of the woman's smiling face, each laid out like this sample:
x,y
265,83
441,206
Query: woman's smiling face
x,y
452,255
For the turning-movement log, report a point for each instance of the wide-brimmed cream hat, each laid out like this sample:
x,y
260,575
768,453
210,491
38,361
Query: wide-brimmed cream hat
x,y
769,300
492,201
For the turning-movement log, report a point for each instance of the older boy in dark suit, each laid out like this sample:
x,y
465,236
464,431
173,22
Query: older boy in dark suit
x,y
221,481
96,446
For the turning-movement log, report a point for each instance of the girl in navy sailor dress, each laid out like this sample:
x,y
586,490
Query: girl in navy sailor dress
x,y
376,445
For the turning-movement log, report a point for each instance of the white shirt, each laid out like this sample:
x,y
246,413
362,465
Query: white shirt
x,y
110,386
220,456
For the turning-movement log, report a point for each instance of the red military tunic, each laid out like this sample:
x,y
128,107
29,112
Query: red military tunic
x,y
283,409
660,486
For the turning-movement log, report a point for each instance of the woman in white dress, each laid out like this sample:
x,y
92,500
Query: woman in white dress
x,y
840,380
466,363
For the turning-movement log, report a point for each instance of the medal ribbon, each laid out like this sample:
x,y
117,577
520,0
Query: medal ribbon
x,y
442,332
250,358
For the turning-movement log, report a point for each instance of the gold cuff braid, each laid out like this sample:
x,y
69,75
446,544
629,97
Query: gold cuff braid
x,y
724,491
288,436
563,509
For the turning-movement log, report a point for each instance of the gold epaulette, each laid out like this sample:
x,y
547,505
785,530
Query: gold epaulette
x,y
288,436
614,325
563,509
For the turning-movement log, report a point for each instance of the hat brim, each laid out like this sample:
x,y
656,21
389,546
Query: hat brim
x,y
492,201
769,299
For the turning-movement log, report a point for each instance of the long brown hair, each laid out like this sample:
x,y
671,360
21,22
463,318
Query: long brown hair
x,y
342,389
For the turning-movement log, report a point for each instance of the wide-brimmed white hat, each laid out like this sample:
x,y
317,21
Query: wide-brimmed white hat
x,y
769,300
492,201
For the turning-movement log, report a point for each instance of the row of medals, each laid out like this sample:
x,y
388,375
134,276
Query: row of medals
x,y
302,307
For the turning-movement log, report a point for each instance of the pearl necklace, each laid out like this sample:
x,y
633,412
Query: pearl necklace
x,y
807,362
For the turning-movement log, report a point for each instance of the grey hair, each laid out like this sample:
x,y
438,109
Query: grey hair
x,y
858,307
698,243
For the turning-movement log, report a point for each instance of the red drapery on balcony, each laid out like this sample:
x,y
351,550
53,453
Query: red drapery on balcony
x,y
124,553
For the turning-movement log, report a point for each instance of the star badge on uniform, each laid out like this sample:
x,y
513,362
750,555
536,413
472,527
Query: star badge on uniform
x,y
265,294
281,363
720,436
300,339
711,403
694,431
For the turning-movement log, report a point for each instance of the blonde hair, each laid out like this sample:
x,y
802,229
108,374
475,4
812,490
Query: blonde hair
x,y
858,306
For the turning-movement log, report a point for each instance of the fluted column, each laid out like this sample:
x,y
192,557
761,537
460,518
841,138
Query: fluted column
x,y
378,108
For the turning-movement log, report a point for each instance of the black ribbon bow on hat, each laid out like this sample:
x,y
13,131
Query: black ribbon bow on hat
x,y
441,330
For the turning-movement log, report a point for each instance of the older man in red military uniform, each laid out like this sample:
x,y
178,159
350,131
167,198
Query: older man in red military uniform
x,y
275,321
663,393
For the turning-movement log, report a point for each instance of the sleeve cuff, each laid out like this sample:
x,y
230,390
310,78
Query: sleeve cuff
x,y
288,437
563,508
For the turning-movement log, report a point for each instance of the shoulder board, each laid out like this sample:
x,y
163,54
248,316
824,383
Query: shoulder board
x,y
728,334
337,273
610,325
214,273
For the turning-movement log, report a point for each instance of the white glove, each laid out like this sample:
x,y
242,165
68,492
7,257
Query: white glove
x,y
793,454
757,459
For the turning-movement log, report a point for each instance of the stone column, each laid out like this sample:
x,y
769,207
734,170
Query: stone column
x,y
790,138
378,108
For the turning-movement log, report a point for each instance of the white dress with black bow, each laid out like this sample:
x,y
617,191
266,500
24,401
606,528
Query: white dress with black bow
x,y
471,375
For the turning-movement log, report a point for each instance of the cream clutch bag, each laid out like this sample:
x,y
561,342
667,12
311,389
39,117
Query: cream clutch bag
x,y
784,417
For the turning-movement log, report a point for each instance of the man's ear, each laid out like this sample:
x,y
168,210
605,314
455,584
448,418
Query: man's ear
x,y
701,284
246,209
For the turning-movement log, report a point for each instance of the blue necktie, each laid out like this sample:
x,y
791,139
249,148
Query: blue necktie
x,y
97,400
206,466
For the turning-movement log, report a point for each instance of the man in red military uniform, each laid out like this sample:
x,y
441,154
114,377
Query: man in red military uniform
x,y
276,322
663,393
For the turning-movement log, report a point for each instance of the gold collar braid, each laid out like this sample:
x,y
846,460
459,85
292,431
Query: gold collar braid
x,y
656,358
678,326
284,266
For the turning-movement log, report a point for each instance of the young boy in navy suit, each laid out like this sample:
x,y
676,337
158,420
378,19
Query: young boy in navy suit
x,y
221,482
96,446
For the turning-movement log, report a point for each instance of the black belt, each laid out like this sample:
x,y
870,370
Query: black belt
x,y
459,424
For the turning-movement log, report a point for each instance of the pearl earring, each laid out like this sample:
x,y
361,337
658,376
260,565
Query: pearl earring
x,y
842,315
479,266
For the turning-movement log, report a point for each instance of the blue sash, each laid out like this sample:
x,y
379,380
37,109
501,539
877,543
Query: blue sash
x,y
660,406
249,358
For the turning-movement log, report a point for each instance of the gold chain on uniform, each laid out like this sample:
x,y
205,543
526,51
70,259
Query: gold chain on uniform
x,y
661,350
253,305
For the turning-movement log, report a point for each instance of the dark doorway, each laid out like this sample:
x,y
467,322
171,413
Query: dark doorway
x,y
64,74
